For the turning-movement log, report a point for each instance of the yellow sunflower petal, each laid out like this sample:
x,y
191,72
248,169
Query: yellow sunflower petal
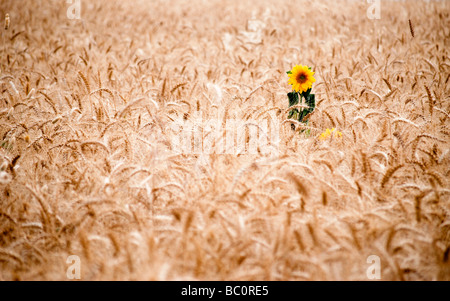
x,y
301,78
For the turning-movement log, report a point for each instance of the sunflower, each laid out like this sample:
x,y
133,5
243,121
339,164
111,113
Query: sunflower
x,y
325,135
301,78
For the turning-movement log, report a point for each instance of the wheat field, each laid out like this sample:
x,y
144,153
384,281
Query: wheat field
x,y
88,167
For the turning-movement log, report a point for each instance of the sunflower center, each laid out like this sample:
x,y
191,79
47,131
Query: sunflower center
x,y
301,78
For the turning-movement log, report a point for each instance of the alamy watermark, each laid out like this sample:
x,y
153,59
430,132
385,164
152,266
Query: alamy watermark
x,y
374,270
374,10
224,136
74,10
74,269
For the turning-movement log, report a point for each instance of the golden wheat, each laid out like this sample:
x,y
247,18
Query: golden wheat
x,y
89,168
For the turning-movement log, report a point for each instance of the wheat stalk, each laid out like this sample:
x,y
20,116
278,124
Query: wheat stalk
x,y
411,29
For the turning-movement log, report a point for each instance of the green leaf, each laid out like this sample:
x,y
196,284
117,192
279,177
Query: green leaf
x,y
293,114
311,102
306,93
302,115
289,72
293,98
